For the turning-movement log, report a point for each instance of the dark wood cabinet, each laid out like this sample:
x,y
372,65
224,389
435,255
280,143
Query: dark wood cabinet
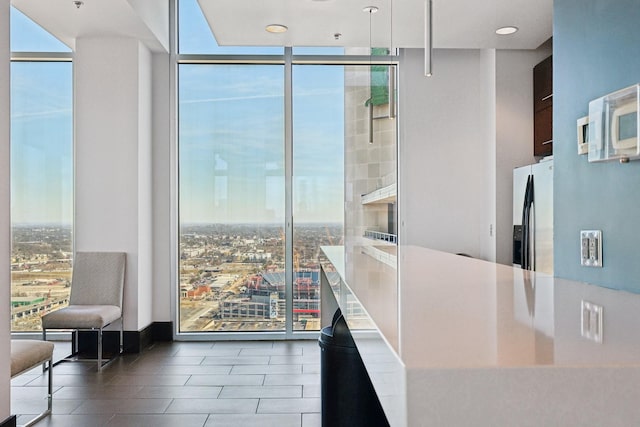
x,y
543,108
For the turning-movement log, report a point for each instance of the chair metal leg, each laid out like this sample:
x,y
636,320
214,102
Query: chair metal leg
x,y
49,395
99,349
121,347
44,338
101,361
50,387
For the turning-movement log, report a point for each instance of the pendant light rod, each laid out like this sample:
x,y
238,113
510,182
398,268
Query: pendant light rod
x,y
370,10
428,37
391,27
392,91
392,68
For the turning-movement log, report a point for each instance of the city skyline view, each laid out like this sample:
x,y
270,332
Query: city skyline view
x,y
231,184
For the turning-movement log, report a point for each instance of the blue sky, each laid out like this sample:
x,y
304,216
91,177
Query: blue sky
x,y
41,129
232,143
231,133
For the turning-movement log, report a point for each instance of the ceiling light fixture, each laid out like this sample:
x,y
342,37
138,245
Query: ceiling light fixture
x,y
505,31
276,28
78,3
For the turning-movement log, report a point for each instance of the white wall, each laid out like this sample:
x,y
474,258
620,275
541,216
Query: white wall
x,y
514,133
443,196
5,222
487,237
113,161
463,131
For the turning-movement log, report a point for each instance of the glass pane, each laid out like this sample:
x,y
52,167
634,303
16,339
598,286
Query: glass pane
x,y
231,197
318,181
41,189
195,36
27,36
370,176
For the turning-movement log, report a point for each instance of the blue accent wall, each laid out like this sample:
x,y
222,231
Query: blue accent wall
x,y
596,47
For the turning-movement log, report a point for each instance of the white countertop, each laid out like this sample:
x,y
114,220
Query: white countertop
x,y
461,332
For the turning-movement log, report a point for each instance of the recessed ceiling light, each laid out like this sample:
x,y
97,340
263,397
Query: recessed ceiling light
x,y
370,9
276,28
505,31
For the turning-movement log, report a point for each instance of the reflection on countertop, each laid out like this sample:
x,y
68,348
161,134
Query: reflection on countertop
x,y
450,318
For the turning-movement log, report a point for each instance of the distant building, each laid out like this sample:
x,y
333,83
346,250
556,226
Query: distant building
x,y
24,301
198,292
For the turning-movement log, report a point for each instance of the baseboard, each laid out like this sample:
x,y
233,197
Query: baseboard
x,y
133,341
136,341
162,331
9,422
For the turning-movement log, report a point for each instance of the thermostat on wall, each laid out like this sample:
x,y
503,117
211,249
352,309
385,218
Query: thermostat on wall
x,y
614,126
583,135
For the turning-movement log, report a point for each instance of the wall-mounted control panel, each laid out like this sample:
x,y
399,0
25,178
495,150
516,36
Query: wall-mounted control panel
x,y
583,135
591,248
614,126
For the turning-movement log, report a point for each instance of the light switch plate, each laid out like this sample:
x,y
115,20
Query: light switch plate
x,y
591,248
591,321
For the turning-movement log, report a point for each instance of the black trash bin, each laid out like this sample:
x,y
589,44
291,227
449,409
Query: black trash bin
x,y
348,397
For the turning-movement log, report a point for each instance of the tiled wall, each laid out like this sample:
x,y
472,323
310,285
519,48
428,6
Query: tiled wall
x,y
368,166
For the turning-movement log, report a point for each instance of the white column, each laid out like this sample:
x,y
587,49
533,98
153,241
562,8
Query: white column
x,y
113,176
164,170
5,221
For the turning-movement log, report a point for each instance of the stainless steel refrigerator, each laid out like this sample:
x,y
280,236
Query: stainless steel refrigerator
x,y
533,217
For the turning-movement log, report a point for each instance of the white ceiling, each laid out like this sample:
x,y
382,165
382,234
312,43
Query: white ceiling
x,y
145,20
456,23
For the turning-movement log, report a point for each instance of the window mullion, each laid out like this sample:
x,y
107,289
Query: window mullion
x,y
288,163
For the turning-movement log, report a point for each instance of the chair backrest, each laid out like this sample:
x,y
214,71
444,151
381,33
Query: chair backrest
x,y
98,278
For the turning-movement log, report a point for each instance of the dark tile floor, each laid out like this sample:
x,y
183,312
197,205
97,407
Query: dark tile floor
x,y
256,383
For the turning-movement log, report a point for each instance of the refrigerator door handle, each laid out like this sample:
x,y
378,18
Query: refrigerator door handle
x,y
524,263
532,226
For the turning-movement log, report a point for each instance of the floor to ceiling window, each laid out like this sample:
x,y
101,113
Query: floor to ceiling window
x,y
231,197
41,172
261,185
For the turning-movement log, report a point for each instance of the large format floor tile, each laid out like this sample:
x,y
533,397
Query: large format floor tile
x,y
185,384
